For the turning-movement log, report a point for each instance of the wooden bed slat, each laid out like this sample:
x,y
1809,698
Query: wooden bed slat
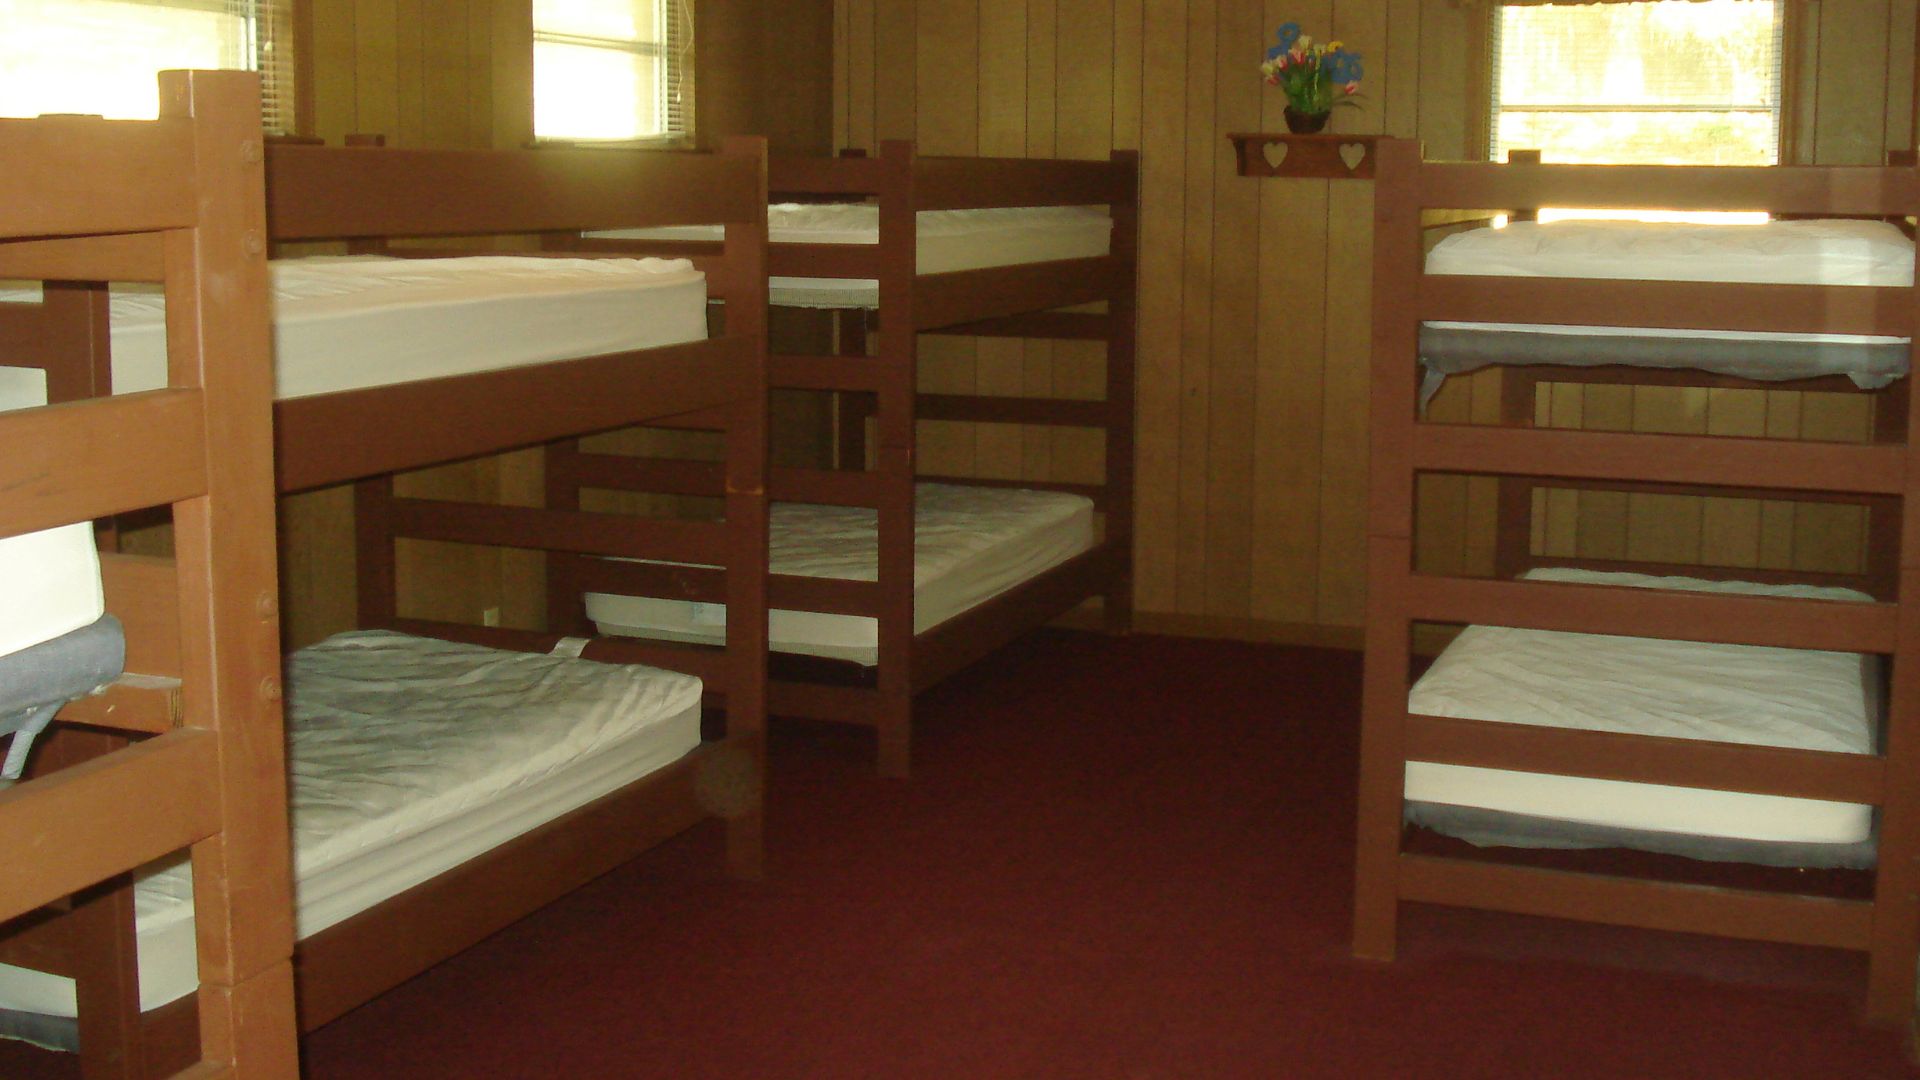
x,y
1716,460
824,176
966,183
1629,611
135,703
143,592
664,476
1647,759
87,460
84,824
1690,305
833,596
579,531
1654,905
858,261
980,408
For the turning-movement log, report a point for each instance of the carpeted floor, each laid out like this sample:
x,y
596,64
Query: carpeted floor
x,y
1118,858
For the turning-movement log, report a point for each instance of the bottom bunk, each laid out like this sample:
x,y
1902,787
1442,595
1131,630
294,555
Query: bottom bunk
x,y
971,544
1795,698
415,764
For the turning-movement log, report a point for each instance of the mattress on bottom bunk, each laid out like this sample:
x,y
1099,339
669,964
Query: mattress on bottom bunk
x,y
1836,252
50,580
946,241
410,756
970,545
355,322
1755,695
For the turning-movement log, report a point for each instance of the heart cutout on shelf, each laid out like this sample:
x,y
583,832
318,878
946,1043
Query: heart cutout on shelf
x,y
1274,152
1353,154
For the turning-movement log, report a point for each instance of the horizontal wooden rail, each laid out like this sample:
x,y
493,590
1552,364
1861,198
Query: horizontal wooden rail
x,y
1647,487
856,261
1646,759
578,531
827,372
84,824
1692,305
849,176
965,296
666,581
318,193
834,596
67,176
1655,905
828,487
1782,189
138,703
1722,461
501,410
980,408
92,459
121,257
1782,622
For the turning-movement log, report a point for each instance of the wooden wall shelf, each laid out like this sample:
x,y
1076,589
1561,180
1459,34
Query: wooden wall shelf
x,y
1323,157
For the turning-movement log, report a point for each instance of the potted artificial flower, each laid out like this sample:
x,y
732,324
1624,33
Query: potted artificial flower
x,y
1314,77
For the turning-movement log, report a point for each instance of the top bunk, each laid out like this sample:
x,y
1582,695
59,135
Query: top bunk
x,y
978,238
524,348
1823,286
1862,300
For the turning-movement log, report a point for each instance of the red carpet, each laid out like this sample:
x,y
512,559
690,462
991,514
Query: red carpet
x,y
1118,859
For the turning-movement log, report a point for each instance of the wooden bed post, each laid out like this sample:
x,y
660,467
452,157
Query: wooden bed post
x,y
1394,399
1513,532
894,460
1121,337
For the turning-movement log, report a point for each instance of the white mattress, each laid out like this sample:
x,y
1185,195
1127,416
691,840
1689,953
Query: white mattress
x,y
1682,689
947,241
410,756
49,580
970,545
353,322
1828,252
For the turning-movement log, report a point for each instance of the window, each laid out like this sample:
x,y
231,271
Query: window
x,y
100,56
1665,82
612,70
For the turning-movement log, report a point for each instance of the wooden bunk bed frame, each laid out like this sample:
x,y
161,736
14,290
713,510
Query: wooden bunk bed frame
x,y
177,200
873,377
1882,475
369,196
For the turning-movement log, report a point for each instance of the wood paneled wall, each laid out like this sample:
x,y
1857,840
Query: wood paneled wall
x,y
1255,293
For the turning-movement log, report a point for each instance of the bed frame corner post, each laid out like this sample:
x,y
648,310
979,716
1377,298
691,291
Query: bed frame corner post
x,y
1122,361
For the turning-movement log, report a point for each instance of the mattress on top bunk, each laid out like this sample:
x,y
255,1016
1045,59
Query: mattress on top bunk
x,y
946,241
410,756
1755,695
353,322
1824,252
970,545
50,579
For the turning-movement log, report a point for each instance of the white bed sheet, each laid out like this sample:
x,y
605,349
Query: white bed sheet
x,y
970,545
1729,693
353,322
1824,252
946,241
49,580
410,756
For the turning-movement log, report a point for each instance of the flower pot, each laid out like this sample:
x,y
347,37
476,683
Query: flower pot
x,y
1306,123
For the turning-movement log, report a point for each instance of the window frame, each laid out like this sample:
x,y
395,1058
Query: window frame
x,y
1481,88
679,67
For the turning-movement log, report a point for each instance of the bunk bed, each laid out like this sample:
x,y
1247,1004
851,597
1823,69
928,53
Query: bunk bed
x,y
1676,709
172,201
885,579
399,357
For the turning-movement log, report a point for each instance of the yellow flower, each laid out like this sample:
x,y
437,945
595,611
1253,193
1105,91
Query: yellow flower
x,y
1334,46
